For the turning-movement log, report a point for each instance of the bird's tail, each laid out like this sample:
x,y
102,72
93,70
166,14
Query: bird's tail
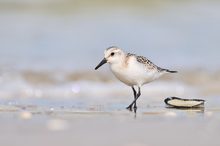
x,y
170,71
166,70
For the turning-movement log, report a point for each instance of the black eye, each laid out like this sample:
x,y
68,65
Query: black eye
x,y
112,54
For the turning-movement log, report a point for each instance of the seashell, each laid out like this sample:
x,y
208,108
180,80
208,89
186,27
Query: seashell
x,y
184,103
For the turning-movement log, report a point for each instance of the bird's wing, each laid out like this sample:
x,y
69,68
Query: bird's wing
x,y
150,65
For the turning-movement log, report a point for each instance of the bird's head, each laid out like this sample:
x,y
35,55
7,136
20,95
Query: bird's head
x,y
112,55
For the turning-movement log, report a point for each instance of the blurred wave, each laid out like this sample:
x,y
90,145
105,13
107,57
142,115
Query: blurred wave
x,y
71,84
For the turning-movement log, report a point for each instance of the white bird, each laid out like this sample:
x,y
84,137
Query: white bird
x,y
132,70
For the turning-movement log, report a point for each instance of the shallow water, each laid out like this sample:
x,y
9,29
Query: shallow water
x,y
173,34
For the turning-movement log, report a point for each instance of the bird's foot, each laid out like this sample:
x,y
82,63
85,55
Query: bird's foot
x,y
135,108
129,107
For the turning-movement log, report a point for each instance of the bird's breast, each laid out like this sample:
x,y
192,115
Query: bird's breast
x,y
133,75
127,75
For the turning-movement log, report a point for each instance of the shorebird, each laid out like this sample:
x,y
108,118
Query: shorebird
x,y
131,69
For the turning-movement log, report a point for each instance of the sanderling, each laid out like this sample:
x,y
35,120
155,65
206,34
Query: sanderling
x,y
132,70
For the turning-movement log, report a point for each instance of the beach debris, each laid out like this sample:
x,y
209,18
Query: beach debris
x,y
57,125
184,103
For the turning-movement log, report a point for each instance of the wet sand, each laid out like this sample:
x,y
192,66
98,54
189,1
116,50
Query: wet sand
x,y
49,122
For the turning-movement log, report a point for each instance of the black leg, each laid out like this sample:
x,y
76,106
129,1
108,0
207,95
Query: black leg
x,y
135,95
134,102
139,92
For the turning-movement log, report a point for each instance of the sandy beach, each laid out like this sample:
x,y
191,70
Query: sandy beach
x,y
43,123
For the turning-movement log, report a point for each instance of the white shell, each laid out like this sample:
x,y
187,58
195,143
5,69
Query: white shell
x,y
184,103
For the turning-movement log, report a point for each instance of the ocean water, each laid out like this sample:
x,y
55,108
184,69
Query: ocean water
x,y
49,49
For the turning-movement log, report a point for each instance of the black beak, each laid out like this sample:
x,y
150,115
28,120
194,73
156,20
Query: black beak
x,y
101,63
